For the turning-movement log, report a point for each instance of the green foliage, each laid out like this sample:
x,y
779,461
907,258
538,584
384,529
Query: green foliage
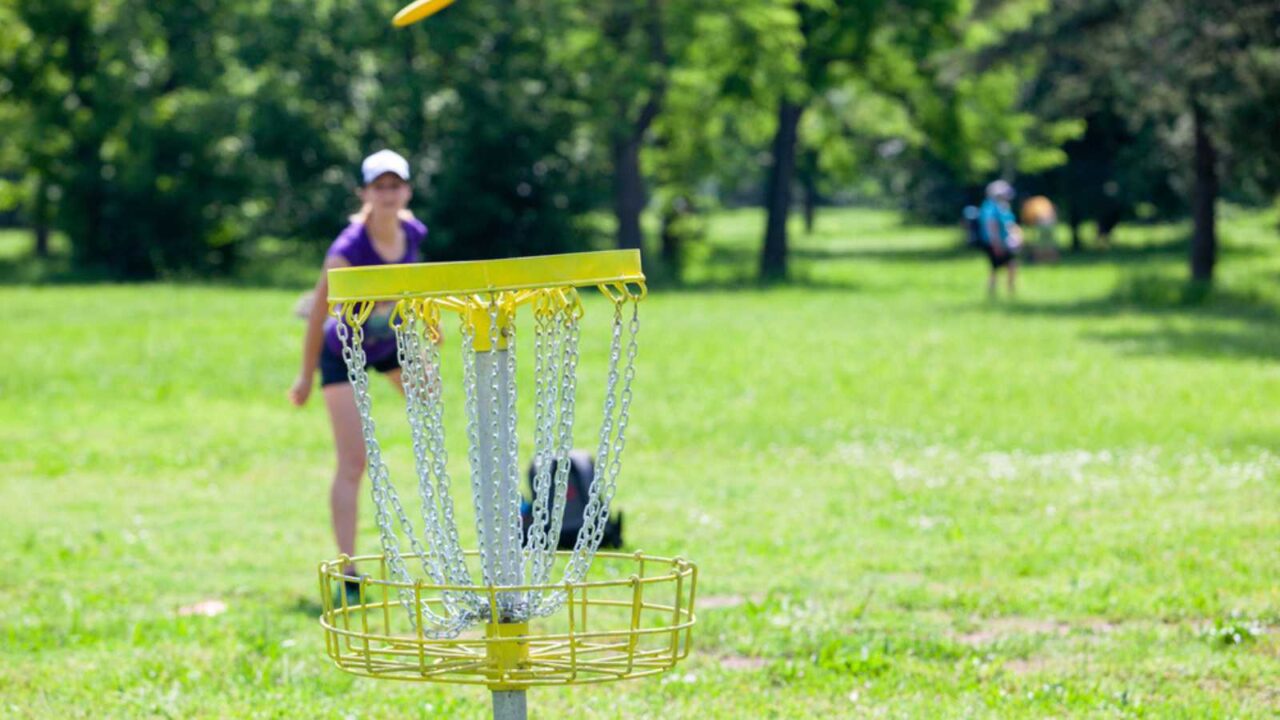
x,y
1136,71
175,133
719,99
138,140
172,138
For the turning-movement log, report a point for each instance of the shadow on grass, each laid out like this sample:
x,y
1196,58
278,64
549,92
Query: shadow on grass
x,y
737,271
751,284
306,606
1227,323
295,271
57,270
946,253
1249,343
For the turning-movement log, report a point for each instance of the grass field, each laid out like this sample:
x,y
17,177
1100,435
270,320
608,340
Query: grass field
x,y
905,500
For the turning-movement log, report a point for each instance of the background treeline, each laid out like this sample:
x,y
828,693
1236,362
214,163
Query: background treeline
x,y
172,137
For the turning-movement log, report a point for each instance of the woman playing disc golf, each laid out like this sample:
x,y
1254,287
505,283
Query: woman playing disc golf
x,y
382,233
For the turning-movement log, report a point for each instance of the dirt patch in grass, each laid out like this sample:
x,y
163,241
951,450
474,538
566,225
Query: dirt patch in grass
x,y
990,630
1027,666
742,662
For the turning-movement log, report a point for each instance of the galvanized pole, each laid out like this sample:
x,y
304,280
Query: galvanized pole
x,y
495,508
510,705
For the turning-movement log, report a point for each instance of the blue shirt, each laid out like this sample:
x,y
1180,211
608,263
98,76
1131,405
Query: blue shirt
x,y
1001,213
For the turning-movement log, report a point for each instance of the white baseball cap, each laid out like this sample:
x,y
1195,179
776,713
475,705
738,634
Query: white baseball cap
x,y
383,162
1000,190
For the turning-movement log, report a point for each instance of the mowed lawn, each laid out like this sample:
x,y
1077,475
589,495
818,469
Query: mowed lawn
x,y
904,500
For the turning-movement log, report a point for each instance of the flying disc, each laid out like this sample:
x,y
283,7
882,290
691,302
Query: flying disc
x,y
419,10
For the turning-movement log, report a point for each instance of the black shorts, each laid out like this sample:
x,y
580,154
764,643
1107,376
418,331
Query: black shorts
x,y
333,369
998,261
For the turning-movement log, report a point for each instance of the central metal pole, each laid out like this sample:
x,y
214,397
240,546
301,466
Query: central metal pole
x,y
499,505
499,502
510,705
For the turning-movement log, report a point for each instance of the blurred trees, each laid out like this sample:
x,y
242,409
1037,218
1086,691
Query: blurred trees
x,y
170,134
839,41
1178,95
132,141
166,137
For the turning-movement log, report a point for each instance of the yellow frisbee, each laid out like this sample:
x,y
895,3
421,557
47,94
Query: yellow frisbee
x,y
419,10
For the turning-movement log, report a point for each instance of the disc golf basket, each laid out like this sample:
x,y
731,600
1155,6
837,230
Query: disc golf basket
x,y
512,613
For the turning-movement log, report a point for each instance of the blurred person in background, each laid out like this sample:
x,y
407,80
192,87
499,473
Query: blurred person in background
x,y
1038,212
1001,235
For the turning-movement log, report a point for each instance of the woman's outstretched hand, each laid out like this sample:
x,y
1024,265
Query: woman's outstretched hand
x,y
300,391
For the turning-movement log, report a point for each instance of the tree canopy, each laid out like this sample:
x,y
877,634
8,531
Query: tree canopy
x,y
169,137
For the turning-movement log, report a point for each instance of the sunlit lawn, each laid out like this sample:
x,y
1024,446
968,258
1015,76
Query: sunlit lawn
x,y
905,500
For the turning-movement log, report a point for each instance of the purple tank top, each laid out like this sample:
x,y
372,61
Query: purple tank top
x,y
354,245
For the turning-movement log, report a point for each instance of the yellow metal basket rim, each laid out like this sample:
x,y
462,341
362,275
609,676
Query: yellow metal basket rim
x,y
687,619
680,567
472,277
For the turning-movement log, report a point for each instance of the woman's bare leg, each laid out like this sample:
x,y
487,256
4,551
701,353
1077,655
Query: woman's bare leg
x,y
348,439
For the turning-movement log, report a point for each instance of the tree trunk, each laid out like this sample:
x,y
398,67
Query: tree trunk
x,y
1073,217
773,258
1204,240
628,183
809,182
40,218
628,190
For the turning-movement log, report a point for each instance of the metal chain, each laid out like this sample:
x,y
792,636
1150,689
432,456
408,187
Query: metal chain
x,y
535,542
540,547
455,560
413,378
506,559
608,454
467,330
495,553
624,418
568,364
352,338
420,362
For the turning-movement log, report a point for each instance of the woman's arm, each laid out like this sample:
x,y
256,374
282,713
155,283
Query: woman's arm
x,y
313,340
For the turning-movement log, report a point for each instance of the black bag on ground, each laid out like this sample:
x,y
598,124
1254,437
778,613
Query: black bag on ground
x,y
577,491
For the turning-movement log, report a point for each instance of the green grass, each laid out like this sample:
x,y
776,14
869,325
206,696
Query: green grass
x,y
905,500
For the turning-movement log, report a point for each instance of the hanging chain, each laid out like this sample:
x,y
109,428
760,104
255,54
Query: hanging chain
x,y
413,378
536,541
609,452
567,362
467,330
351,333
506,557
420,363
496,552
624,418
540,545
455,560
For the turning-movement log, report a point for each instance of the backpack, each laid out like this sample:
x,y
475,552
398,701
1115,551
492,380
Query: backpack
x,y
974,237
577,491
